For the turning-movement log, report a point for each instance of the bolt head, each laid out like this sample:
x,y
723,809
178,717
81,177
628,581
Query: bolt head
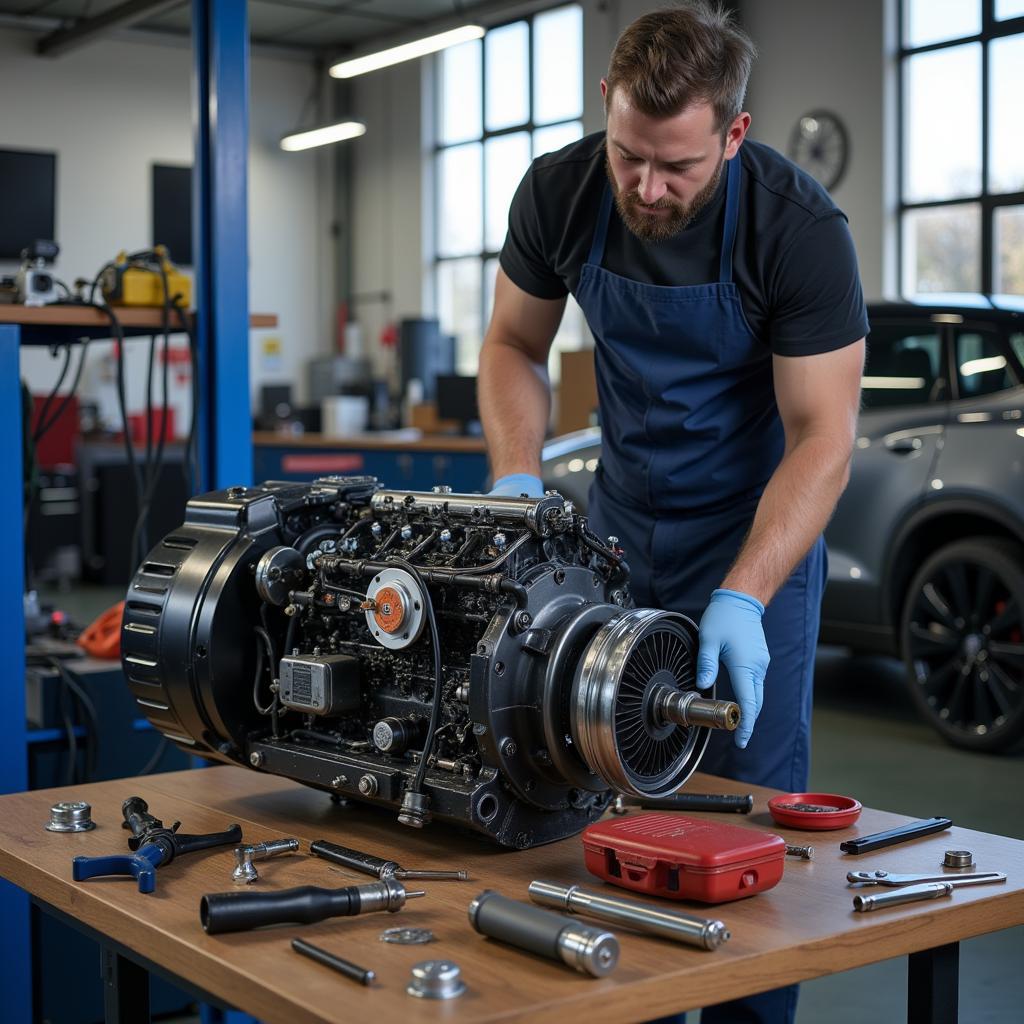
x,y
256,759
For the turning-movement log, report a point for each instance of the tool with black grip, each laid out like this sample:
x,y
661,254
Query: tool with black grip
x,y
376,866
240,911
728,802
152,844
879,840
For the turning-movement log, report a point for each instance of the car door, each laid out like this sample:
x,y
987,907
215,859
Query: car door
x,y
904,411
982,457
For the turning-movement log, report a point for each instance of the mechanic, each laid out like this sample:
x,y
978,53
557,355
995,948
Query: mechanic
x,y
721,286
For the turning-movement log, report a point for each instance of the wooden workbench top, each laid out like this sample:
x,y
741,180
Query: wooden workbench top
x,y
803,928
403,441
86,316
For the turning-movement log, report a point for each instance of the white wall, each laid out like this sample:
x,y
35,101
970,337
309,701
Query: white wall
x,y
110,110
828,54
812,53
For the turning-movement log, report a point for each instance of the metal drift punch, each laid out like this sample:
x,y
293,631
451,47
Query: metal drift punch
x,y
152,844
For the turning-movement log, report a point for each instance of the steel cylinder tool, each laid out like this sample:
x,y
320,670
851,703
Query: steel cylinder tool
x,y
668,924
588,950
376,866
240,911
152,845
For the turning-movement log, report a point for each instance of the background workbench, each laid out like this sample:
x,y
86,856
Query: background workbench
x,y
803,928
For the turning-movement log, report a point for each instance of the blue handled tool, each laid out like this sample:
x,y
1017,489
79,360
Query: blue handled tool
x,y
152,844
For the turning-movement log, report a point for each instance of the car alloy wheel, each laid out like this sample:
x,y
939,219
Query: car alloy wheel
x,y
962,639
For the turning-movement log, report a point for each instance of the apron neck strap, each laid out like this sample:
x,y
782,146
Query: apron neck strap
x,y
601,230
732,210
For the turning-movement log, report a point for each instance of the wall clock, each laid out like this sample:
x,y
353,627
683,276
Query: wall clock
x,y
819,145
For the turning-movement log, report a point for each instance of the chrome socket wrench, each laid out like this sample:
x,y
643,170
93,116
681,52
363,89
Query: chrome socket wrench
x,y
245,872
668,924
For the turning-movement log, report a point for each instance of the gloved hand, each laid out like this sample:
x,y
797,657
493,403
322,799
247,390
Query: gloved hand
x,y
730,631
515,484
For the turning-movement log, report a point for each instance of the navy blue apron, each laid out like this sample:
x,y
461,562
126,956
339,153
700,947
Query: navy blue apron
x,y
690,436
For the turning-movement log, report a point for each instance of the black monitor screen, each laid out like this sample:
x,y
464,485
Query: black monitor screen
x,y
172,211
28,200
456,398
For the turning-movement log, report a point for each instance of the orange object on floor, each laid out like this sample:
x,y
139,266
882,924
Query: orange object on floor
x,y
102,638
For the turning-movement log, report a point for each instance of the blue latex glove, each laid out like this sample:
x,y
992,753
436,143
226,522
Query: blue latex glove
x,y
516,484
730,631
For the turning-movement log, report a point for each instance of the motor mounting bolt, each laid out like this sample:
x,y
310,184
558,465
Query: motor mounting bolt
x,y
256,759
508,747
368,785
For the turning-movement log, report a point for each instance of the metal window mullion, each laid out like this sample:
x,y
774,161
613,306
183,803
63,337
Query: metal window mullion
x,y
987,234
481,302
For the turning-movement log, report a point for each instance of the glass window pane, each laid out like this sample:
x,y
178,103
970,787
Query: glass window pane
x,y
942,124
558,65
506,159
508,88
942,250
1006,140
460,93
1009,9
902,366
1008,272
932,21
981,366
458,309
547,140
460,175
490,277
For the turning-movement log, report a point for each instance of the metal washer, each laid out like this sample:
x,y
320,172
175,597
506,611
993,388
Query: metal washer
x,y
958,859
407,936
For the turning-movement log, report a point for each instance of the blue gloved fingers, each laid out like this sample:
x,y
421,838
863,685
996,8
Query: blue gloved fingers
x,y
707,659
515,484
749,689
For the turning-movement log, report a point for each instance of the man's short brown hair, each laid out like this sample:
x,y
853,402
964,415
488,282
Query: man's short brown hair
x,y
693,53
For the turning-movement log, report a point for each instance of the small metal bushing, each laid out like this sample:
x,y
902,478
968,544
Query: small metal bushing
x,y
70,816
436,979
958,859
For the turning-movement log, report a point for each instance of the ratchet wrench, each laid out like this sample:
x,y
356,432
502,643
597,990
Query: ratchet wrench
x,y
892,879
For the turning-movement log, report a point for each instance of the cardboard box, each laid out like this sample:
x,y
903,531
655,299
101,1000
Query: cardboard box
x,y
577,392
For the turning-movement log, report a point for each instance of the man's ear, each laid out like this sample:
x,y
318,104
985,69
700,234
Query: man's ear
x,y
735,134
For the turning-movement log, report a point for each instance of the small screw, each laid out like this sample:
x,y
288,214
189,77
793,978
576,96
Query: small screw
x,y
256,759
803,852
523,621
508,747
368,785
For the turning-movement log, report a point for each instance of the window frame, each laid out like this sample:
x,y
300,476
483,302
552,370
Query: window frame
x,y
1001,336
991,29
485,255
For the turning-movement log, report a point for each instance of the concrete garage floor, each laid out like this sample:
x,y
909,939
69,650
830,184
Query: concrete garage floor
x,y
869,743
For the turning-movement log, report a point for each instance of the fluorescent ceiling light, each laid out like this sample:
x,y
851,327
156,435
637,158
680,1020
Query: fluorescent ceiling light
x,y
323,136
407,51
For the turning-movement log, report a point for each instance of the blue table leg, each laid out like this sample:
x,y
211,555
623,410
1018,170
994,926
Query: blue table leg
x,y
15,963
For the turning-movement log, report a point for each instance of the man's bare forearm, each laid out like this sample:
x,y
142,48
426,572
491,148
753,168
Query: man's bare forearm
x,y
515,403
797,503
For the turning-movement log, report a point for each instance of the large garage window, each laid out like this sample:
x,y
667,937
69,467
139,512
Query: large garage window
x,y
962,154
502,101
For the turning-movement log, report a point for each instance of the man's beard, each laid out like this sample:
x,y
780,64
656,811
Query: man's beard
x,y
660,228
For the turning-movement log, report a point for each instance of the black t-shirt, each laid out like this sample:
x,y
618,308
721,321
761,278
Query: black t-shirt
x,y
794,261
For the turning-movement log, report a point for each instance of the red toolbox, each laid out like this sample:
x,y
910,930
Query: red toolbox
x,y
683,858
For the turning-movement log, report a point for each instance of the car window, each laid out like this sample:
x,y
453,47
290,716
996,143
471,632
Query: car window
x,y
904,363
981,365
1017,344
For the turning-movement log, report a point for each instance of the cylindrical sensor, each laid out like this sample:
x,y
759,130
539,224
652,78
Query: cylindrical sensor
x,y
669,924
588,950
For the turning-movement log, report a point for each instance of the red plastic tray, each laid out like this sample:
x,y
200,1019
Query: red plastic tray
x,y
816,821
683,858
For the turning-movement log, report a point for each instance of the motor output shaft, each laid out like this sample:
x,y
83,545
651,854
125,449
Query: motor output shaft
x,y
686,707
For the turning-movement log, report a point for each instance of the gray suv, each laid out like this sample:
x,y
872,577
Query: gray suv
x,y
926,549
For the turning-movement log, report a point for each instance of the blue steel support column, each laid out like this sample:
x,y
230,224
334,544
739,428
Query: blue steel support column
x,y
15,965
221,240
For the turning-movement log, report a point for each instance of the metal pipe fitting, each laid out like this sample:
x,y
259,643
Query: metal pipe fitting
x,y
245,872
668,924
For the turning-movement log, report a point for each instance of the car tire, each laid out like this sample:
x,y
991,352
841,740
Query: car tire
x,y
962,641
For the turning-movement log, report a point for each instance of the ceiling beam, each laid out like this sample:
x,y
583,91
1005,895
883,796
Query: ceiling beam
x,y
85,31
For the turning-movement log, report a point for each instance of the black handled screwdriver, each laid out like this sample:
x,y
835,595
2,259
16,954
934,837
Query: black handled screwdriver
x,y
376,866
240,911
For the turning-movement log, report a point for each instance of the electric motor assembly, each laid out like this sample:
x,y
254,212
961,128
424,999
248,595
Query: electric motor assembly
x,y
291,628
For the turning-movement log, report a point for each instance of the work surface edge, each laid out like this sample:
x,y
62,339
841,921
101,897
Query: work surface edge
x,y
802,929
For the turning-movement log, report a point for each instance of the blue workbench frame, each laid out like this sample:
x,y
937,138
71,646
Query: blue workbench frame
x,y
221,246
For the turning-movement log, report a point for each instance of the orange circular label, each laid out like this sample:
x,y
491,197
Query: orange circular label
x,y
390,612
